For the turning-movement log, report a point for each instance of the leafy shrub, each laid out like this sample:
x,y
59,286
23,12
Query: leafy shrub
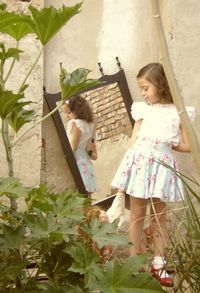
x,y
41,249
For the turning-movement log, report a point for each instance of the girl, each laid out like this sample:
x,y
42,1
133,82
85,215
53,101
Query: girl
x,y
141,174
79,131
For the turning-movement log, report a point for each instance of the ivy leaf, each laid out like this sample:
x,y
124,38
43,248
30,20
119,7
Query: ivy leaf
x,y
71,83
117,278
48,21
105,233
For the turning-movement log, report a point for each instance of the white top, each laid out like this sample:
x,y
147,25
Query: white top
x,y
86,129
159,121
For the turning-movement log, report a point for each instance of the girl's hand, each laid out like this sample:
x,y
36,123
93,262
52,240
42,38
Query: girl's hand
x,y
91,149
183,146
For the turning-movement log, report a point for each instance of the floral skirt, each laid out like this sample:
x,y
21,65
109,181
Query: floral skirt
x,y
148,170
86,169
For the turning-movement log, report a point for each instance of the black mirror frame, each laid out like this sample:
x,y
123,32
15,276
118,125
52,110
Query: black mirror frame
x,y
52,99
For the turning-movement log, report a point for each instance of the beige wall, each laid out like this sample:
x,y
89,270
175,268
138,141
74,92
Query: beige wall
x,y
27,153
109,28
103,30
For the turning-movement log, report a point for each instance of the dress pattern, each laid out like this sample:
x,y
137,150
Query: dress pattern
x,y
83,160
149,167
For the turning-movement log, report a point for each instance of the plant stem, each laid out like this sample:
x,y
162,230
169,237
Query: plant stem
x,y
31,69
11,67
6,140
1,74
4,135
36,123
178,101
8,148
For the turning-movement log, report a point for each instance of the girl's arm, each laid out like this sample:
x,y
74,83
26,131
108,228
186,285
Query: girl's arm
x,y
184,146
135,131
74,138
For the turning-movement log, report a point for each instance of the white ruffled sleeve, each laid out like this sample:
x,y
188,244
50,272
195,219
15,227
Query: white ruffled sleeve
x,y
79,123
69,126
138,110
176,123
191,113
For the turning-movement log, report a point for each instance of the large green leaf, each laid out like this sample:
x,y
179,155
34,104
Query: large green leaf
x,y
71,83
12,186
15,25
11,238
64,206
9,102
46,226
12,53
69,206
105,233
45,23
85,261
41,199
20,118
48,21
8,18
117,278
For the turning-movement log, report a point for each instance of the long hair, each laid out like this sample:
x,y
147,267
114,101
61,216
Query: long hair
x,y
154,73
80,107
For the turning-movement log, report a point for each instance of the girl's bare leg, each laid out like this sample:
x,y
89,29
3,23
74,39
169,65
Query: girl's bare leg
x,y
159,226
137,216
158,212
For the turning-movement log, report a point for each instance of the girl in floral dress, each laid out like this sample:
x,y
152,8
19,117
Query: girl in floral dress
x,y
141,174
79,131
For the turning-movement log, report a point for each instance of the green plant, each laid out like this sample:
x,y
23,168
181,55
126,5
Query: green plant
x,y
41,249
185,241
42,24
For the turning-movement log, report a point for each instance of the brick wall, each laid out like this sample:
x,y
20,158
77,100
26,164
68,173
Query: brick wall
x,y
109,108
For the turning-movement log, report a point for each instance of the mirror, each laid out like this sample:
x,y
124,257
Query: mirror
x,y
111,103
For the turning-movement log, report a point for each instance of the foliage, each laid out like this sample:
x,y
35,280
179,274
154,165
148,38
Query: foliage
x,y
44,23
73,82
14,106
185,240
41,249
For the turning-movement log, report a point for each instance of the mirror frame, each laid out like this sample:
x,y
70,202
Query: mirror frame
x,y
52,99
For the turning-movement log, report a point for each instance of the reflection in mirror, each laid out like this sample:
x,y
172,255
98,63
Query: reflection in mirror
x,y
111,103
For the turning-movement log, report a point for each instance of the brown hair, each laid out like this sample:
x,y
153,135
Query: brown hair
x,y
154,73
80,107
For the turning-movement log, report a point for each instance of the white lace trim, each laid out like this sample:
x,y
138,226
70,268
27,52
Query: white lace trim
x,y
82,125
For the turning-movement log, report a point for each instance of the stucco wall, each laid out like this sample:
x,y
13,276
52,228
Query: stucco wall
x,y
103,30
109,28
74,46
27,153
183,35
